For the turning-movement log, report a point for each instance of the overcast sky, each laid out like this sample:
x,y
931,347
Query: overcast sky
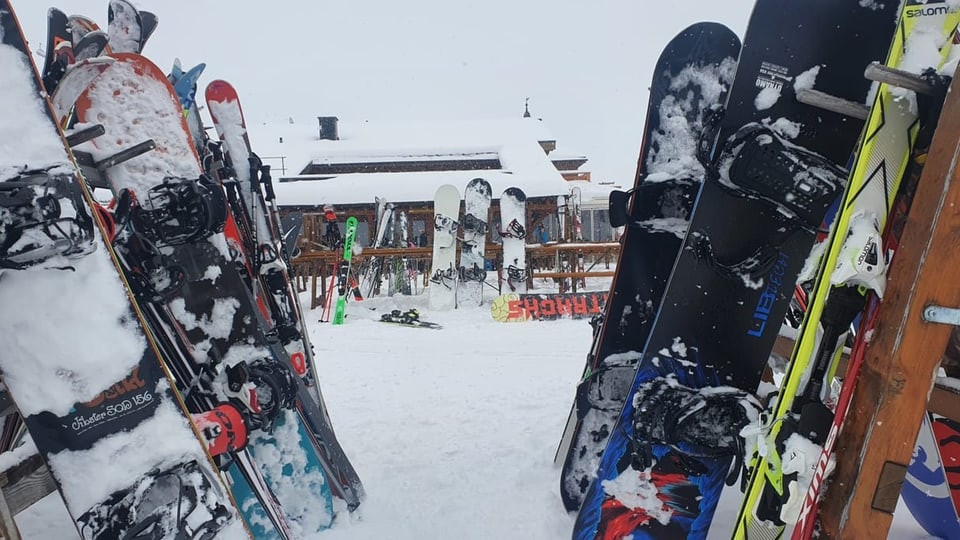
x,y
585,65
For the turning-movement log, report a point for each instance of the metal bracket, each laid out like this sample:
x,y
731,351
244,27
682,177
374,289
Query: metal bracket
x,y
942,315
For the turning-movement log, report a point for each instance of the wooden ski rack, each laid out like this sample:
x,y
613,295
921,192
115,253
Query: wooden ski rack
x,y
903,356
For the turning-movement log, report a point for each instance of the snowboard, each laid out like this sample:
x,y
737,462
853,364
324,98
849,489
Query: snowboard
x,y
125,26
513,307
513,235
75,80
443,279
777,167
104,417
58,52
81,25
204,294
472,270
931,490
404,269
699,62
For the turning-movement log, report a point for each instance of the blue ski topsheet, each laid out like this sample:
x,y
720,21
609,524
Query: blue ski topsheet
x,y
732,281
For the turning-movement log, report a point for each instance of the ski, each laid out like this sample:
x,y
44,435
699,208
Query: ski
x,y
410,318
343,270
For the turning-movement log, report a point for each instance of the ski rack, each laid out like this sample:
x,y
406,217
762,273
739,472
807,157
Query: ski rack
x,y
93,170
899,78
827,102
903,356
875,72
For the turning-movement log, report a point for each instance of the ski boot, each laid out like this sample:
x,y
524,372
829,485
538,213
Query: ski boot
x,y
43,216
694,423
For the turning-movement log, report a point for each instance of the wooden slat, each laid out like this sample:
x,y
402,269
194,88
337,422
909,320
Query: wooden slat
x,y
901,359
26,483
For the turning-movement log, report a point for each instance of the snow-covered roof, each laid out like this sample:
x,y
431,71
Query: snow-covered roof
x,y
592,195
514,142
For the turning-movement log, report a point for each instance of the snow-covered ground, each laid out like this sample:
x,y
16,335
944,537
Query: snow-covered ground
x,y
453,431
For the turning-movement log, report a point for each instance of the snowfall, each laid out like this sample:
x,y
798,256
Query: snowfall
x,y
453,431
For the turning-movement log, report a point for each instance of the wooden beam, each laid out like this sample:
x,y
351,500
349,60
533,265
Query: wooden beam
x,y
26,483
901,359
574,275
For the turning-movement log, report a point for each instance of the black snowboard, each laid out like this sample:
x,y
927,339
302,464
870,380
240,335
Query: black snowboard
x,y
776,167
691,77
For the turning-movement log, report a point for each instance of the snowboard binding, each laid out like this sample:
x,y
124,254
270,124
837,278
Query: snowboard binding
x,y
262,390
473,274
150,275
515,275
444,277
514,230
757,162
695,424
176,501
474,225
445,224
178,211
751,268
34,226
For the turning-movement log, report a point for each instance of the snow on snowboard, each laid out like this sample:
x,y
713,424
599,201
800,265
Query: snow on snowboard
x,y
105,417
777,166
698,62
472,272
443,280
513,234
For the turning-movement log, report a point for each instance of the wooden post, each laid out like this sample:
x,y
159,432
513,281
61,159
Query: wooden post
x,y
901,360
